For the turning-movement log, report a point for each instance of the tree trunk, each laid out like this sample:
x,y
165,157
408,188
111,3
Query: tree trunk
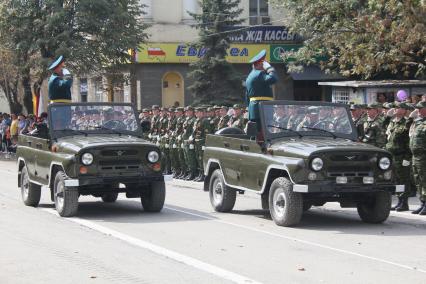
x,y
28,94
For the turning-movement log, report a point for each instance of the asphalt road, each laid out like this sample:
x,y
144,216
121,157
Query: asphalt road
x,y
189,243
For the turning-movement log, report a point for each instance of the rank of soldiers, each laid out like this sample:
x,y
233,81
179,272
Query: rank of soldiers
x,y
181,133
399,128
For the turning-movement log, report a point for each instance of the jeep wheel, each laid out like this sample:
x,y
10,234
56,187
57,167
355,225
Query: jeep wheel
x,y
30,192
222,198
285,206
66,198
153,201
377,209
110,197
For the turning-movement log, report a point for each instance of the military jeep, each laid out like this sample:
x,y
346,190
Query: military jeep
x,y
89,149
303,154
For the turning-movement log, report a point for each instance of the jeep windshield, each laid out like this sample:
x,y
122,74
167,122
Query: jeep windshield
x,y
304,119
87,119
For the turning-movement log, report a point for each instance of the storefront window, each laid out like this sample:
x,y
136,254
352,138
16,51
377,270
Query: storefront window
x,y
258,12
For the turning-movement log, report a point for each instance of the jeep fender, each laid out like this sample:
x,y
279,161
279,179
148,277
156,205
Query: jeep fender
x,y
272,172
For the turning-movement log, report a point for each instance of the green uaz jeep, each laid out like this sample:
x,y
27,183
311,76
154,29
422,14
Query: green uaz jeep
x,y
89,149
305,155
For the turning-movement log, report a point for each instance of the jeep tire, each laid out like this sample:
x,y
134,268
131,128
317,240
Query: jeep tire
x,y
66,198
285,206
110,197
377,209
153,201
222,197
30,192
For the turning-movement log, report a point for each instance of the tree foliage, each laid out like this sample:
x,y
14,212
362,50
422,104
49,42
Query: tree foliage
x,y
91,34
215,80
362,39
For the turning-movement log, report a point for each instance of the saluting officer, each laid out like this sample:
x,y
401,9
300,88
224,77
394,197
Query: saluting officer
x,y
60,82
359,118
258,85
417,147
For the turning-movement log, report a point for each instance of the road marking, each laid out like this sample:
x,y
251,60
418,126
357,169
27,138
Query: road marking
x,y
302,241
217,271
204,266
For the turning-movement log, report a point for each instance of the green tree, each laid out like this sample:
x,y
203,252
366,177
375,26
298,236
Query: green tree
x,y
93,35
362,39
215,80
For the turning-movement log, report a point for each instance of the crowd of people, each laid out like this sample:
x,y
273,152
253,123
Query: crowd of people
x,y
13,125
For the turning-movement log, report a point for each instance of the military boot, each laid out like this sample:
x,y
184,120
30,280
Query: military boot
x,y
191,176
201,179
423,211
397,204
418,210
403,206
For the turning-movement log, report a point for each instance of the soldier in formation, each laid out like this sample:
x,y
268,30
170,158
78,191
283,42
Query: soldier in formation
x,y
399,128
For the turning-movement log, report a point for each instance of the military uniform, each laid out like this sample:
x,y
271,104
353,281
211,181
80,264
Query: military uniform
x,y
398,146
188,147
201,128
178,167
223,122
258,86
417,147
374,133
59,88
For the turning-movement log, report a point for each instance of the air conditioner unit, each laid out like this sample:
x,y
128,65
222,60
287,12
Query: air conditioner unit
x,y
265,20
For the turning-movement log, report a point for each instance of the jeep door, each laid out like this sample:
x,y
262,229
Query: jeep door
x,y
253,166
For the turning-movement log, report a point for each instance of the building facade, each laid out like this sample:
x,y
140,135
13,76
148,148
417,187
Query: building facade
x,y
160,71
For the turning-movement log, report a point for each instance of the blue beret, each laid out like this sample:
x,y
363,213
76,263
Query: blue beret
x,y
261,55
56,63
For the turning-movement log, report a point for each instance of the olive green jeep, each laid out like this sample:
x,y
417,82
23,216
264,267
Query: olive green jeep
x,y
305,155
89,149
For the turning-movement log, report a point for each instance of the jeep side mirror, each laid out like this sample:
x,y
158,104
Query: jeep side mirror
x,y
146,126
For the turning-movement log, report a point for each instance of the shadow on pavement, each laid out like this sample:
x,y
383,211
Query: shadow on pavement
x,y
128,211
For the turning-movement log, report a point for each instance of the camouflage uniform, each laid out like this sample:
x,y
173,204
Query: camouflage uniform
x,y
178,166
374,133
223,122
188,147
398,146
202,127
417,147
162,142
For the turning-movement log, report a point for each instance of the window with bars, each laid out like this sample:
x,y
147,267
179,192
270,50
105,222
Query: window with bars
x,y
341,95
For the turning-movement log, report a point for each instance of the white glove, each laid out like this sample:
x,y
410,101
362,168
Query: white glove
x,y
414,114
267,67
390,113
405,163
66,72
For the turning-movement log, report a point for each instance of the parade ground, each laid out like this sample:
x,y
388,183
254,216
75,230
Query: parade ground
x,y
190,243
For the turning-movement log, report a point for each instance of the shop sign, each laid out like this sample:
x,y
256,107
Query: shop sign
x,y
262,34
278,51
184,53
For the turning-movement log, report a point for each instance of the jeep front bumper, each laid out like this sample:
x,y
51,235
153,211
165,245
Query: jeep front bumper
x,y
347,188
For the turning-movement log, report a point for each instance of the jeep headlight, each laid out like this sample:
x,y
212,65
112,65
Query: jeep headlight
x,y
384,163
317,164
153,157
87,159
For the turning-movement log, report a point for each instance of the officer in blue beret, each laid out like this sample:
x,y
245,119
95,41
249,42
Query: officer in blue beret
x,y
60,82
259,85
